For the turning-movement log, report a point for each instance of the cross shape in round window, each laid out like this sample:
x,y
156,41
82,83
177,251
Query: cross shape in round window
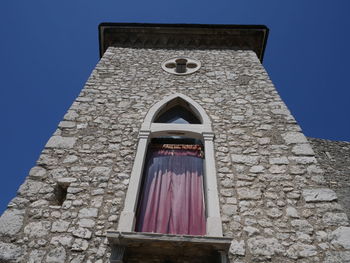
x,y
181,65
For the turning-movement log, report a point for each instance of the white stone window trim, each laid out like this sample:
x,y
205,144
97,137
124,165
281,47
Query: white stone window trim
x,y
150,130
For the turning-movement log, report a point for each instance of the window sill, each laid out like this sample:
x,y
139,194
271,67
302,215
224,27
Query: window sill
x,y
151,247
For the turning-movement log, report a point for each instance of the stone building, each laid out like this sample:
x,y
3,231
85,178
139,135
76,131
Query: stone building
x,y
177,93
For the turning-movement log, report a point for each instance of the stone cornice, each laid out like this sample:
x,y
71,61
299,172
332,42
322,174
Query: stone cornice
x,y
184,36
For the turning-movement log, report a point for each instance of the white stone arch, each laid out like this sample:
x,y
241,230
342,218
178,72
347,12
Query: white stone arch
x,y
195,107
202,131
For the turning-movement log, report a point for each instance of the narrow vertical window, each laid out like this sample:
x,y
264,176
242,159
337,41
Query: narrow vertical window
x,y
173,184
172,199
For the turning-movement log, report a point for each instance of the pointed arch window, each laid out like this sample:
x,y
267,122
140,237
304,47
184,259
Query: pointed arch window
x,y
173,188
177,112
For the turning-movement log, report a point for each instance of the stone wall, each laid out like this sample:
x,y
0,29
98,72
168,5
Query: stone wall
x,y
274,201
334,159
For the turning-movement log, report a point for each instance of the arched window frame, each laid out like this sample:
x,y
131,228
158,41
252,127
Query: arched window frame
x,y
149,130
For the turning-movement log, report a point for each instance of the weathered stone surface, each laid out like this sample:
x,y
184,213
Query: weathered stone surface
x,y
274,212
237,247
302,226
40,203
66,181
37,229
229,209
67,124
246,193
337,257
36,256
71,115
56,255
303,149
292,212
9,252
61,142
279,160
261,247
245,159
257,169
88,212
70,159
341,237
64,240
80,245
335,219
58,173
86,223
60,226
101,171
300,250
11,222
303,159
334,159
82,233
37,172
18,203
294,137
32,188
251,231
319,195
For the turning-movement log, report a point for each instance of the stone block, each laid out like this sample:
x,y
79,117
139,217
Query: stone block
x,y
101,171
82,233
60,226
11,222
264,248
294,137
31,188
292,212
301,250
37,229
279,160
80,245
249,194
37,172
9,252
64,240
319,195
300,225
303,149
36,256
245,159
56,255
88,212
335,219
237,247
341,237
61,142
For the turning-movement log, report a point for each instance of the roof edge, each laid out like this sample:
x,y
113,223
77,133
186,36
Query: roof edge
x,y
172,36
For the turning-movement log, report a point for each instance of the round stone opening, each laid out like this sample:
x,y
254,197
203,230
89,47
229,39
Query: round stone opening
x,y
170,65
181,65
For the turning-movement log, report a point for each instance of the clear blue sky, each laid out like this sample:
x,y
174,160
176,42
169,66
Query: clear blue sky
x,y
48,49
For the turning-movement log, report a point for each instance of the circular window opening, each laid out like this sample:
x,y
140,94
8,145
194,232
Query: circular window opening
x,y
181,65
191,65
170,65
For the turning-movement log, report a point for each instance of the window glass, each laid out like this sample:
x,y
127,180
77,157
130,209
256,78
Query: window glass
x,y
178,115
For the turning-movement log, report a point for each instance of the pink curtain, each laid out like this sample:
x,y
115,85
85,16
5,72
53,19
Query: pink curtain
x,y
172,194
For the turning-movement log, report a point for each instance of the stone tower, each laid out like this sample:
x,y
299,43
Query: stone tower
x,y
263,194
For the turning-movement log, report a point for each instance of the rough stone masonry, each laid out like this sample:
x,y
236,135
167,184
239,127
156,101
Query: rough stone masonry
x,y
274,201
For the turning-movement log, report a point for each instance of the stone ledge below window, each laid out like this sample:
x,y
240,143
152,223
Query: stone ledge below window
x,y
132,247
